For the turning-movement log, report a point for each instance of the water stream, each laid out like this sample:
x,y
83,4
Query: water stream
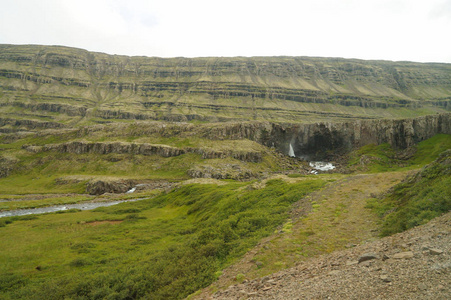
x,y
291,152
49,209
321,166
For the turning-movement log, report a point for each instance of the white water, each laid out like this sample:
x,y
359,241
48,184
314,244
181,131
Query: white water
x,y
50,209
291,152
321,165
131,190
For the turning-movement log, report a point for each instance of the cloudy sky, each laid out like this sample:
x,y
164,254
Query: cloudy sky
x,y
414,30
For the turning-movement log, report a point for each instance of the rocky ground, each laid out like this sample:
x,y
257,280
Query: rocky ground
x,y
415,264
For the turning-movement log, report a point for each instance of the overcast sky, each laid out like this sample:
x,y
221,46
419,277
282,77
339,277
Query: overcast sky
x,y
414,30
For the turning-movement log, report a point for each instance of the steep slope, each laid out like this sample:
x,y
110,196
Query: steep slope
x,y
69,86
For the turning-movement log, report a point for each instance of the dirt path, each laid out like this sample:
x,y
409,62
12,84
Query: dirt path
x,y
332,219
415,264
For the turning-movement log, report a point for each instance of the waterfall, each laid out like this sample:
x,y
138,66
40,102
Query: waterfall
x,y
291,152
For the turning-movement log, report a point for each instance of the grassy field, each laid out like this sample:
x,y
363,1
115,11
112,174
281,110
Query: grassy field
x,y
164,248
175,243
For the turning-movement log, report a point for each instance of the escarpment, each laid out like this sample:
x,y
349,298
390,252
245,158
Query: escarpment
x,y
320,139
310,141
142,149
41,80
316,105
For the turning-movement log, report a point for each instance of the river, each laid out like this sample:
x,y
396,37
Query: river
x,y
49,209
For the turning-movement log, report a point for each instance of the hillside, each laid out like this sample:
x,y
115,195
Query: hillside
x,y
60,86
334,251
410,265
160,178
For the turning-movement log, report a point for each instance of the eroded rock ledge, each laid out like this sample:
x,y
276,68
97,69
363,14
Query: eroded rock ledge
x,y
142,149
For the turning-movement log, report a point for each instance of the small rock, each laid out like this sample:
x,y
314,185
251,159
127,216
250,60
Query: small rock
x,y
352,262
334,272
422,287
266,288
366,263
435,251
367,256
385,278
403,255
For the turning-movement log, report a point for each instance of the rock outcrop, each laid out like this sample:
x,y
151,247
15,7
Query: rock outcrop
x,y
98,187
317,140
82,147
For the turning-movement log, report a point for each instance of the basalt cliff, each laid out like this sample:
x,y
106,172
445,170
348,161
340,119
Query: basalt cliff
x,y
314,104
71,86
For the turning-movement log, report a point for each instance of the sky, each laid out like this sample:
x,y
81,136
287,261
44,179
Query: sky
x,y
399,30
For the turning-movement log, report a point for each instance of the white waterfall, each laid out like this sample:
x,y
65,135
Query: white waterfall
x,y
291,152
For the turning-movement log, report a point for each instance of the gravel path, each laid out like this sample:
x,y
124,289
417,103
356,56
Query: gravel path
x,y
415,264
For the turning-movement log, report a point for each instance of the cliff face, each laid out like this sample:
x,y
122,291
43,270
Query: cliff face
x,y
317,140
312,141
41,80
142,149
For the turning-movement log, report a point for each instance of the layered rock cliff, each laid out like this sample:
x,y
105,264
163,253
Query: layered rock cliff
x,y
310,141
142,149
320,139
38,81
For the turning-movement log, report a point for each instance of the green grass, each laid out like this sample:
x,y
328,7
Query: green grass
x,y
430,149
165,248
40,173
12,205
417,200
382,158
35,183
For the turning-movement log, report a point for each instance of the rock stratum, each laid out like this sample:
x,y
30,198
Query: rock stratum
x,y
309,141
53,84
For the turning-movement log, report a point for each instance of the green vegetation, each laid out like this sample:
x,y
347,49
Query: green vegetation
x,y
11,205
163,248
417,200
382,158
61,109
429,150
